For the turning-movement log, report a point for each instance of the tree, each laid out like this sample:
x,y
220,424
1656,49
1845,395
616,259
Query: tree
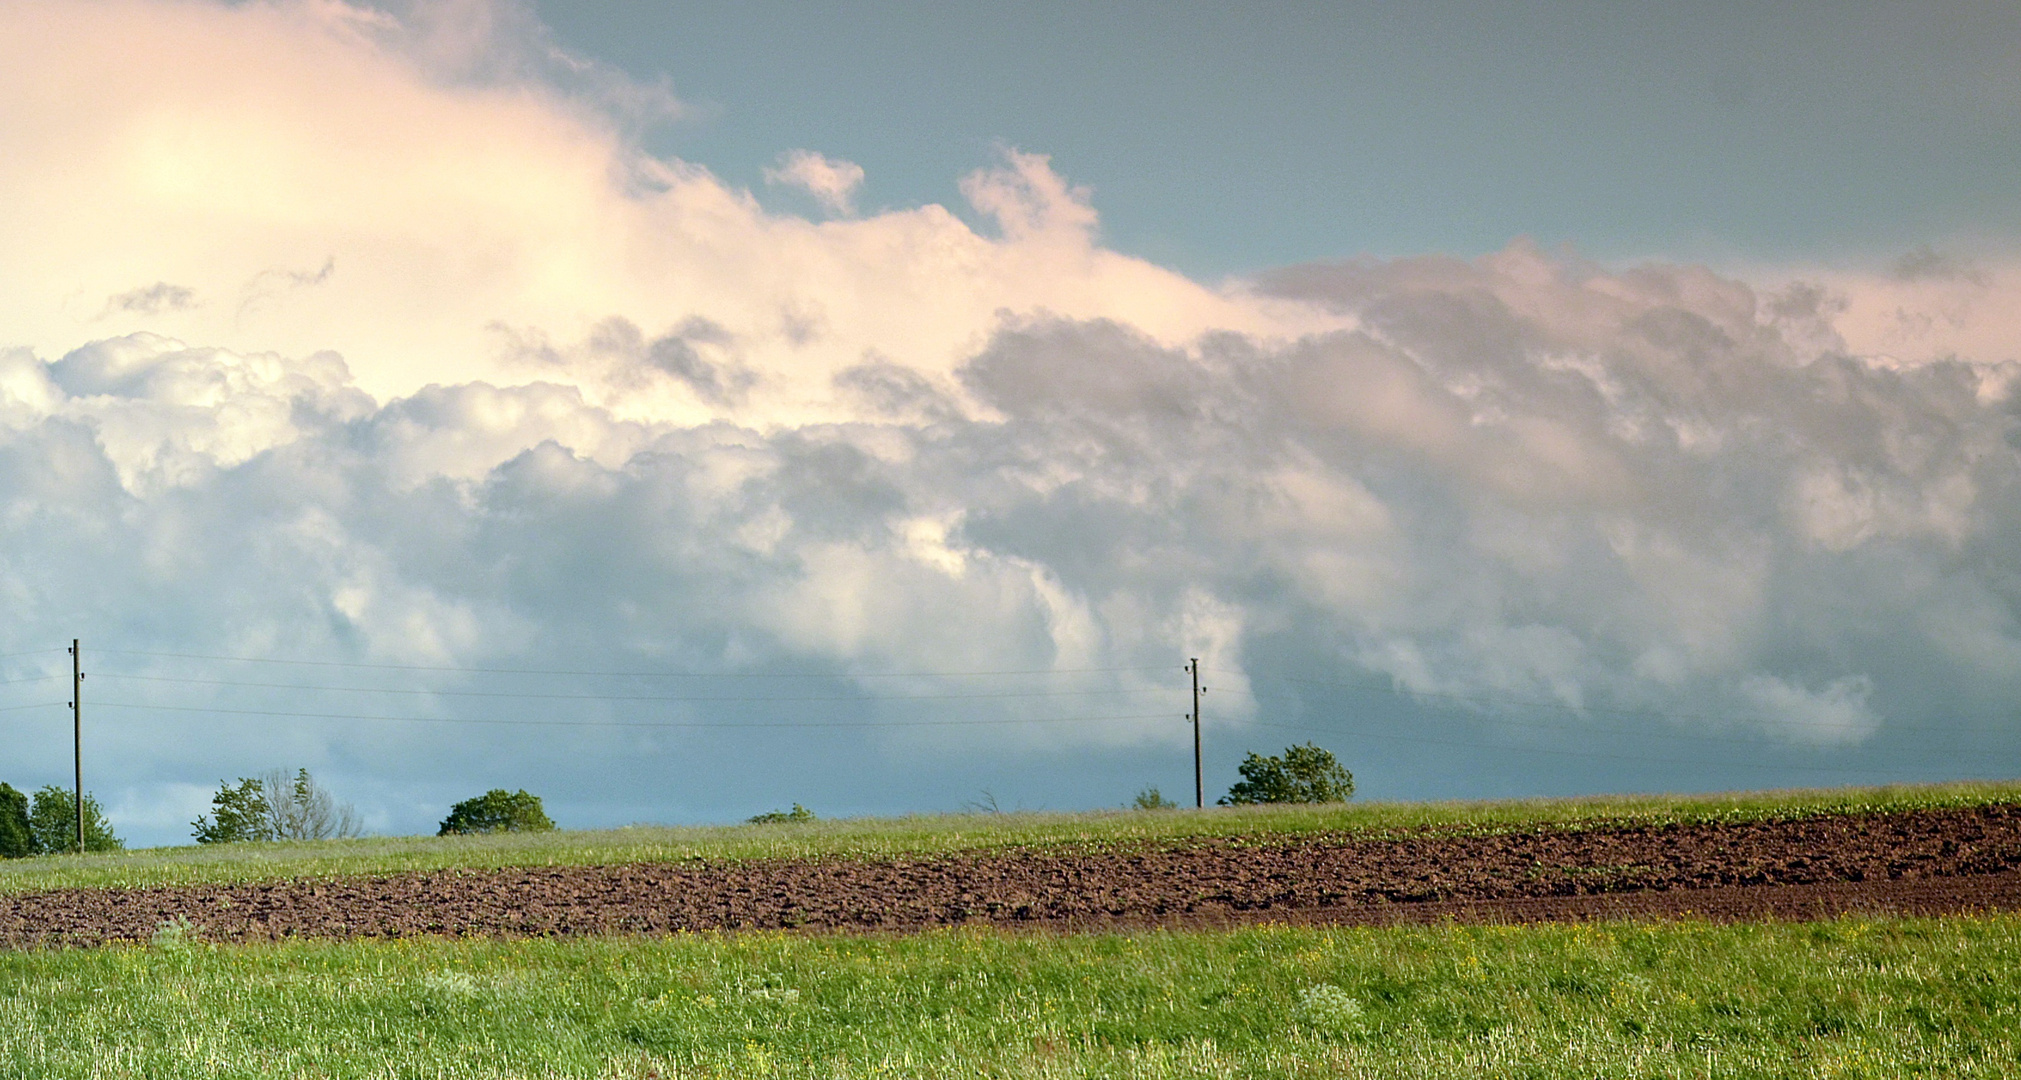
x,y
298,808
497,810
52,823
1152,799
15,839
781,817
1305,774
238,814
276,806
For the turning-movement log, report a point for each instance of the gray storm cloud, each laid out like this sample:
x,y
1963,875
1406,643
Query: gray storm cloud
x,y
1654,496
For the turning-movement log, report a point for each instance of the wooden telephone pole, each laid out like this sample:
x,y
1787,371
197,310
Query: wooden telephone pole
x,y
77,732
1199,785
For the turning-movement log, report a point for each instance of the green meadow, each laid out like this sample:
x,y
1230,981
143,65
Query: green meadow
x,y
1850,998
928,834
1856,997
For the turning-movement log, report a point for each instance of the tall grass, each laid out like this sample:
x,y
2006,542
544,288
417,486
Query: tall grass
x,y
1851,998
861,837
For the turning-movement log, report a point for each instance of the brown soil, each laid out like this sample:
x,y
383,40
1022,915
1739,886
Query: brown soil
x,y
1910,862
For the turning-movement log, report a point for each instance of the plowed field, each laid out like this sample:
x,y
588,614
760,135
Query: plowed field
x,y
1913,862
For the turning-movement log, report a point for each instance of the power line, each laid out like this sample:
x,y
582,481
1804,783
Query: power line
x,y
1487,700
36,679
641,674
855,724
1635,732
1477,699
29,652
624,697
638,723
1524,703
1008,694
38,705
1568,753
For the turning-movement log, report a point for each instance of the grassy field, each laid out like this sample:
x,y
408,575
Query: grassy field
x,y
1852,998
928,834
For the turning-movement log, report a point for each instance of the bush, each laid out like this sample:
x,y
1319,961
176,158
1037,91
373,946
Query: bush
x,y
1152,799
276,806
780,817
15,839
497,810
1305,774
52,823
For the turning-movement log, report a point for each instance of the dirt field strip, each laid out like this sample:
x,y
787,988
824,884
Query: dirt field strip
x,y
1913,862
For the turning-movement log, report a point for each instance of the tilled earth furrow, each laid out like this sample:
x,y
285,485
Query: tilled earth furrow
x,y
1923,861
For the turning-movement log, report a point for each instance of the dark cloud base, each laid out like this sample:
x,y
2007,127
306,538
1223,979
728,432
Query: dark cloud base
x,y
1535,527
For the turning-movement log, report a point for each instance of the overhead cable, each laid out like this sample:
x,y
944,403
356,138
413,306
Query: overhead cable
x,y
638,674
1504,718
632,723
1569,753
1488,699
622,697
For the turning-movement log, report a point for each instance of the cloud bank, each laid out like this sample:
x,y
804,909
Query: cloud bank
x,y
368,337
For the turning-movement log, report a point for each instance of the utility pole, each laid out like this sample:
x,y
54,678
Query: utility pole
x,y
1199,785
77,731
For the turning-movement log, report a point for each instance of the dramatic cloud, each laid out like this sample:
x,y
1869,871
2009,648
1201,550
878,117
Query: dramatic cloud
x,y
1524,480
455,381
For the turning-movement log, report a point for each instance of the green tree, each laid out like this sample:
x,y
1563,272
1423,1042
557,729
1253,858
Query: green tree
x,y
238,813
497,810
52,823
1305,774
1152,799
781,817
15,839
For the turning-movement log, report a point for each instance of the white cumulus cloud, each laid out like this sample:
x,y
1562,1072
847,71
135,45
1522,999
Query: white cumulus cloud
x,y
474,202
829,180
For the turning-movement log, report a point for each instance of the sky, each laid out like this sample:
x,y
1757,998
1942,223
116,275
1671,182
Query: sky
x,y
683,412
1230,139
